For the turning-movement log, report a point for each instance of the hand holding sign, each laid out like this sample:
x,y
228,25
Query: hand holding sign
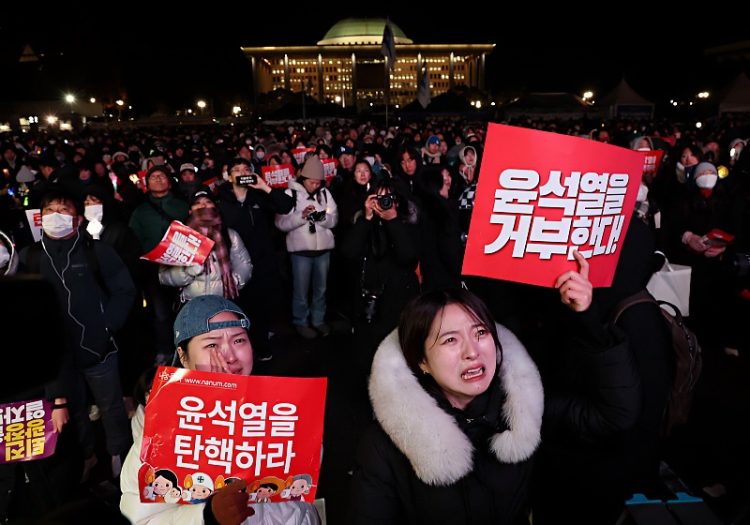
x,y
229,505
576,291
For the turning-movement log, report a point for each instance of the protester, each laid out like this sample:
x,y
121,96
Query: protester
x,y
210,334
227,268
458,404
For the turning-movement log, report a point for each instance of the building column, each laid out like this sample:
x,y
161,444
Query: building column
x,y
481,67
287,80
418,74
354,82
254,83
451,79
321,91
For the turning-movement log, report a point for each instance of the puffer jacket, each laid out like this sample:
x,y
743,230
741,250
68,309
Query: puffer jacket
x,y
209,282
298,236
421,463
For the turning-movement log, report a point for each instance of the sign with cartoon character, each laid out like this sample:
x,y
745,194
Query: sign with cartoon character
x,y
209,429
543,196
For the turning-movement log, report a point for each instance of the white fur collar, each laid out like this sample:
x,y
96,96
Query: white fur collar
x,y
430,438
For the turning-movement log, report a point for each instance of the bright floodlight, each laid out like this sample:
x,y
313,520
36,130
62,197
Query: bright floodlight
x,y
703,94
588,95
699,125
337,99
201,104
92,100
51,119
70,98
479,104
236,110
120,102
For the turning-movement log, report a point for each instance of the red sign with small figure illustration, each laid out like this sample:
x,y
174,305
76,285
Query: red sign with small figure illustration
x,y
540,197
204,430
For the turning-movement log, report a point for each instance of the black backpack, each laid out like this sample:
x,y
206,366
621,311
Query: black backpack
x,y
688,360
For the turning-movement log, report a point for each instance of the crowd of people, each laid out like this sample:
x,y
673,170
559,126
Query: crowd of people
x,y
486,405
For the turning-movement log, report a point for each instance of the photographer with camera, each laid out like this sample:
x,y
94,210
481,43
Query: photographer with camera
x,y
383,245
309,241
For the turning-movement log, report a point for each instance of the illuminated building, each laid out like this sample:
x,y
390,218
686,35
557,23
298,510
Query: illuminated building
x,y
347,66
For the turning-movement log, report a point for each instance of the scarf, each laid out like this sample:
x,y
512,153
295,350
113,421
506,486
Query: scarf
x,y
208,222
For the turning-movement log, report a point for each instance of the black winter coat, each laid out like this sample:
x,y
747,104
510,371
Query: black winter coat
x,y
425,462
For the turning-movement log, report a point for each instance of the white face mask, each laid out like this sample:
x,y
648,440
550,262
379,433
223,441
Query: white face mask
x,y
57,225
642,193
706,182
94,212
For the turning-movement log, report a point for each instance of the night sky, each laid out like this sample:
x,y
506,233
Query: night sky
x,y
170,56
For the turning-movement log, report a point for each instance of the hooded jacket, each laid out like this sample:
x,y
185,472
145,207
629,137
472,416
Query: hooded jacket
x,y
424,462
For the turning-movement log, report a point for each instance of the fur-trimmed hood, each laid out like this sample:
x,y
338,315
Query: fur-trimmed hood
x,y
430,438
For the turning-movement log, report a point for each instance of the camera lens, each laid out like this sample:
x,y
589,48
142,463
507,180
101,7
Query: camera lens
x,y
385,202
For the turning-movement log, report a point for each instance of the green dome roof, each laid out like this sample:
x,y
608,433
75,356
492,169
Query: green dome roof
x,y
361,31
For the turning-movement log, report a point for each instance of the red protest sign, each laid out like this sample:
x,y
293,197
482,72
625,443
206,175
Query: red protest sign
x,y
212,183
651,163
541,196
34,218
329,169
278,176
26,431
180,246
299,154
207,429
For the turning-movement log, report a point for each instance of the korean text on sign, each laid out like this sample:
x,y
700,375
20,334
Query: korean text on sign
x,y
591,205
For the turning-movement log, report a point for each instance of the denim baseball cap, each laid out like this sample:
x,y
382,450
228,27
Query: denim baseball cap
x,y
194,317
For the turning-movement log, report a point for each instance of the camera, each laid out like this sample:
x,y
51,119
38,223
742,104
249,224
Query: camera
x,y
247,180
317,216
370,299
385,201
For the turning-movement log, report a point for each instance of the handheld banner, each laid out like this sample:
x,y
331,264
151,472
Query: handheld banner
x,y
651,164
180,246
278,176
34,218
329,169
204,430
299,154
26,431
540,197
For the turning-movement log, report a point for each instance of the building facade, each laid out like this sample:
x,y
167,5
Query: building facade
x,y
347,67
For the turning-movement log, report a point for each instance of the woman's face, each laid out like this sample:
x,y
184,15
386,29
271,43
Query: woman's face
x,y
362,173
232,343
460,355
311,185
687,158
90,200
286,158
322,154
470,157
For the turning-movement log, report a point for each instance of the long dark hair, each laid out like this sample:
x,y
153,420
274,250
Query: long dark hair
x,y
417,317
